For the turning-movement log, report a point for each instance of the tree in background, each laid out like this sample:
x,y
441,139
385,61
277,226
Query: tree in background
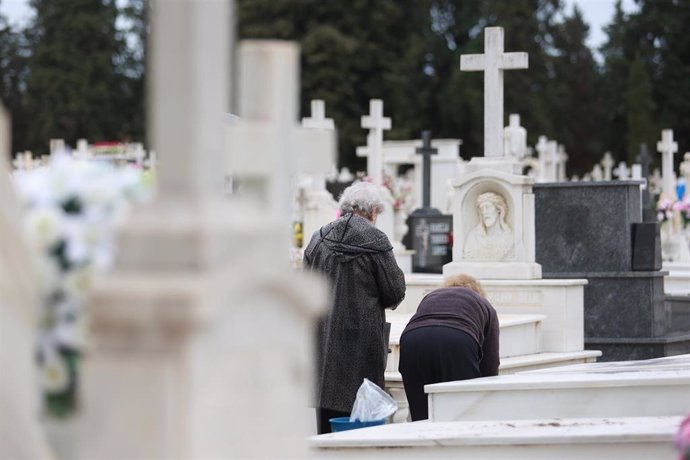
x,y
13,73
74,89
575,91
352,51
640,110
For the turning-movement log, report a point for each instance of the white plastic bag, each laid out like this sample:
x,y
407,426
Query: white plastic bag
x,y
372,403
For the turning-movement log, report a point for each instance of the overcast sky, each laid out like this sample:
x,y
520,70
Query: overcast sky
x,y
596,12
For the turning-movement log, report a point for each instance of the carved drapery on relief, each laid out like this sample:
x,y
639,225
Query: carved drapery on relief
x,y
492,238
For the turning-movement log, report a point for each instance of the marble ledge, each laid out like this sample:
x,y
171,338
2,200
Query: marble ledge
x,y
546,381
522,432
431,279
620,274
606,183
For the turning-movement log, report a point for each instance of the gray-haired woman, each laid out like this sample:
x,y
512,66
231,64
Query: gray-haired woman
x,y
358,260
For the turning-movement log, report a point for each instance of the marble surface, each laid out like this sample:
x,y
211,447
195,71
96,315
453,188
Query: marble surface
x,y
578,439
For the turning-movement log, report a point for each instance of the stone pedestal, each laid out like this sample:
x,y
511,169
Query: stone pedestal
x,y
586,230
319,209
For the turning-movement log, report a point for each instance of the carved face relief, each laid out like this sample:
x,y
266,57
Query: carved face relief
x,y
492,238
489,214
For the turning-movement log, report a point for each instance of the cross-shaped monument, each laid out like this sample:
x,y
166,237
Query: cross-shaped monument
x,y
515,138
562,160
607,164
667,147
542,149
644,159
268,124
493,62
318,119
552,159
426,150
376,123
622,172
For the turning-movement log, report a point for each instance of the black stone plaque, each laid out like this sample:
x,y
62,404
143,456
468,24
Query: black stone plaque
x,y
430,236
646,246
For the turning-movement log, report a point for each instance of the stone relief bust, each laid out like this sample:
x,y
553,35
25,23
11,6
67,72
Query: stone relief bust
x,y
492,238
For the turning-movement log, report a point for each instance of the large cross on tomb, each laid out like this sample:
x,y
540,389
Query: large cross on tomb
x,y
376,123
493,62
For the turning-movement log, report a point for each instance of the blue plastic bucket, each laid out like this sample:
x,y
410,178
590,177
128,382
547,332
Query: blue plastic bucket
x,y
344,423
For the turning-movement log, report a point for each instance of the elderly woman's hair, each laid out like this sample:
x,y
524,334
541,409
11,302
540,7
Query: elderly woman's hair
x,y
466,281
362,198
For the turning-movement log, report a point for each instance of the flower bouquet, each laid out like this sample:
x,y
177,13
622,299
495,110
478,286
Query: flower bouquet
x,y
72,209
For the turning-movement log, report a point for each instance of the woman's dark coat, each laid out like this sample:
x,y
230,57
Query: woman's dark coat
x,y
358,259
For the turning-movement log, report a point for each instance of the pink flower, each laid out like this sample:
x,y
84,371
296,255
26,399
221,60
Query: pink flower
x,y
682,439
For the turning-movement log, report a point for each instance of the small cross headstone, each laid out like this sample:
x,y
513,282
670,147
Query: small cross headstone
x,y
667,147
562,160
56,146
318,118
542,149
553,161
376,123
515,138
82,152
655,181
636,172
426,150
622,171
597,174
644,159
607,163
493,62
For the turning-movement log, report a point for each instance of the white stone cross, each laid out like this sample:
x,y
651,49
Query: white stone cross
x,y
597,173
636,173
667,147
562,160
607,163
376,123
515,138
269,146
552,159
318,118
542,149
622,172
493,62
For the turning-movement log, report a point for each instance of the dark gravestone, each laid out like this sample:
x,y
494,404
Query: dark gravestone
x,y
592,230
429,231
648,206
646,246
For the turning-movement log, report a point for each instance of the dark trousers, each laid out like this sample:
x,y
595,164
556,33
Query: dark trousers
x,y
434,354
323,416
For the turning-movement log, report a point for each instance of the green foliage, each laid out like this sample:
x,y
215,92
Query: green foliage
x,y
640,109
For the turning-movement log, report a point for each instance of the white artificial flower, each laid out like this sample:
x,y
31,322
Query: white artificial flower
x,y
44,226
54,373
48,272
69,330
78,282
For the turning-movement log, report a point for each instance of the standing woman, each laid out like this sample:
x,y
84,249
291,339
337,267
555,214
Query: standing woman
x,y
453,336
365,279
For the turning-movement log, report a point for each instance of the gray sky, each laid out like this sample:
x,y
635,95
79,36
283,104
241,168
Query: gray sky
x,y
596,12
